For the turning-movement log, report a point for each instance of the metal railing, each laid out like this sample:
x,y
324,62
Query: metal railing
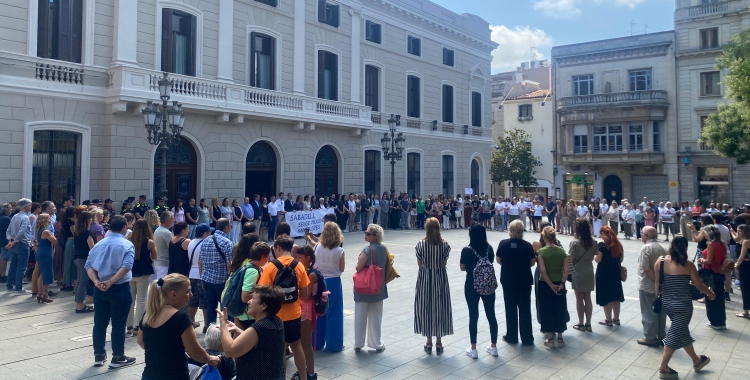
x,y
614,98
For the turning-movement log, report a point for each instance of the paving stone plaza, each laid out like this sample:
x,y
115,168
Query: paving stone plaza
x,y
50,341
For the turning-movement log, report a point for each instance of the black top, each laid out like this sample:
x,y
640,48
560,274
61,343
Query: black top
x,y
288,205
217,212
165,353
237,212
143,266
140,209
66,233
267,354
475,204
4,224
266,217
516,255
179,262
81,245
469,259
193,211
257,209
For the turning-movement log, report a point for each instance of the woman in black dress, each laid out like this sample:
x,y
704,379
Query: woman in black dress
x,y
215,211
395,218
608,285
342,213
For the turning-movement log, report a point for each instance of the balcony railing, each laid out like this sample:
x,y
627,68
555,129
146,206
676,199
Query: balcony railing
x,y
57,71
328,107
705,147
712,9
413,123
430,126
617,98
273,99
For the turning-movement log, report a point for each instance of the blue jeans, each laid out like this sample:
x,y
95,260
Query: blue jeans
x,y
420,221
375,217
329,329
213,297
272,227
504,223
19,260
191,229
114,305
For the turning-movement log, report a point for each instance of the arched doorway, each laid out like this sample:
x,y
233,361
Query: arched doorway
x,y
326,172
261,168
612,189
475,176
182,172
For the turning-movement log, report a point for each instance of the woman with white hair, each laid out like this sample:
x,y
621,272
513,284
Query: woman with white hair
x,y
368,308
212,341
628,219
668,220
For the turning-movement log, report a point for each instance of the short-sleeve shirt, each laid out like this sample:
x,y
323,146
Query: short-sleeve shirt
x,y
650,252
469,260
289,311
248,283
97,231
553,261
516,256
81,245
165,353
551,206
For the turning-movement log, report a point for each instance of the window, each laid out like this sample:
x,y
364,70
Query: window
x,y
178,42
59,30
580,144
524,112
713,185
448,57
372,172
704,146
413,173
414,46
328,13
447,103
583,85
476,109
640,80
262,61
657,136
447,175
710,38
273,3
475,176
607,138
372,31
372,87
635,137
710,83
328,75
413,94
56,165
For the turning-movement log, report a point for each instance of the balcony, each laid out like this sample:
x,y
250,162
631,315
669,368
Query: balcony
x,y
415,125
614,158
617,99
711,10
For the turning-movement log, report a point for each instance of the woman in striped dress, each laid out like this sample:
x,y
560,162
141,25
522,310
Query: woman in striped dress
x,y
432,303
674,273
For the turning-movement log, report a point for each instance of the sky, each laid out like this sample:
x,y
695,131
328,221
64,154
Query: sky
x,y
517,25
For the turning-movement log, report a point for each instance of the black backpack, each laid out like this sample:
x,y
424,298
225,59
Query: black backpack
x,y
232,298
321,302
286,279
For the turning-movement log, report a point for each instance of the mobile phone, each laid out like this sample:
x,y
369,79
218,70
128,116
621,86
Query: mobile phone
x,y
307,231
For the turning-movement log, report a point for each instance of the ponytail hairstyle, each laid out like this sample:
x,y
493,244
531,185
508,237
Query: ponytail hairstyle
x,y
173,282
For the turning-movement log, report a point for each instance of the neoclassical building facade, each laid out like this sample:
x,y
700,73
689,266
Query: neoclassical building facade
x,y
279,95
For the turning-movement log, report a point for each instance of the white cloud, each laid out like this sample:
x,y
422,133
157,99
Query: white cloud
x,y
627,3
558,8
514,45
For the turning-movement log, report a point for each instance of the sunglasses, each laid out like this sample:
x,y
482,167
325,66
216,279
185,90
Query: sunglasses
x,y
369,234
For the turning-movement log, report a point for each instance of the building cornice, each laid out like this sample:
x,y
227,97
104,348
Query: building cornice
x,y
614,55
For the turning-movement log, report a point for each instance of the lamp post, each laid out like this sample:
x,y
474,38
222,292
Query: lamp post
x,y
393,146
164,126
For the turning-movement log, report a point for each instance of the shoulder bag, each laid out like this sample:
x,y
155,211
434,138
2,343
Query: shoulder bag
x,y
656,307
369,280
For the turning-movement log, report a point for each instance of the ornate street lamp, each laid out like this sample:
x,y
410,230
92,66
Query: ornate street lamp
x,y
393,147
164,126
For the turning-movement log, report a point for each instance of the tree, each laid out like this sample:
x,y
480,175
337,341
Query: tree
x,y
512,160
727,129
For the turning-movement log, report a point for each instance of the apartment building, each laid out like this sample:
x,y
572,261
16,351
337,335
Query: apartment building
x,y
702,29
279,95
616,118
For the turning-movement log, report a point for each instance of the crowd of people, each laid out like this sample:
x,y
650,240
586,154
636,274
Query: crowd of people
x,y
148,272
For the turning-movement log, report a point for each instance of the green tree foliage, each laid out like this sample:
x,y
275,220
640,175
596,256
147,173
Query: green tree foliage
x,y
728,129
512,160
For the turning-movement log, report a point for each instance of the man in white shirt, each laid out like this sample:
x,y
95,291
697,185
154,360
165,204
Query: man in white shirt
x,y
604,206
661,211
522,212
667,216
273,213
644,204
460,211
280,208
583,210
499,212
530,210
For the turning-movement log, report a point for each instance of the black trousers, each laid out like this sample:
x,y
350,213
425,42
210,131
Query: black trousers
x,y
745,284
715,310
472,300
518,310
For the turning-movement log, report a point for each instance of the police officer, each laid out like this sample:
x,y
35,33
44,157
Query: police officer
x,y
160,207
140,208
108,206
97,202
126,207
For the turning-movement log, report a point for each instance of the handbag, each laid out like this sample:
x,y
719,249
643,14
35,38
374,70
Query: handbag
x,y
656,307
727,266
369,280
623,274
390,271
211,373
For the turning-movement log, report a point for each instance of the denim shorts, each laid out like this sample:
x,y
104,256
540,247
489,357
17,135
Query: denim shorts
x,y
4,253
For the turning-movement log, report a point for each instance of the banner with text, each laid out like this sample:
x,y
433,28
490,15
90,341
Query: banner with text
x,y
312,219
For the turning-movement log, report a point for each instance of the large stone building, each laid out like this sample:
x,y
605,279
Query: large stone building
x,y
702,29
280,95
616,118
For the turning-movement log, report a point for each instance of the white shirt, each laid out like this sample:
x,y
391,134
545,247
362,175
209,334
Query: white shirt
x,y
582,210
661,211
327,260
529,205
194,272
628,216
724,231
352,206
667,215
279,205
499,208
460,204
513,209
521,208
538,210
604,208
273,209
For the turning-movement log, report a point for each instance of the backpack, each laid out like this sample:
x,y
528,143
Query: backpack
x,y
485,281
286,279
321,301
232,297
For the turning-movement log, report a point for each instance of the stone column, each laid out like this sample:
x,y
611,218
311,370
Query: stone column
x,y
625,140
299,48
226,22
356,64
590,133
125,33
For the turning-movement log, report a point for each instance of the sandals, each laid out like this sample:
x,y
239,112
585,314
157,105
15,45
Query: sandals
x,y
588,328
580,327
439,349
86,309
549,343
428,348
357,349
669,374
560,343
743,315
616,321
606,322
704,361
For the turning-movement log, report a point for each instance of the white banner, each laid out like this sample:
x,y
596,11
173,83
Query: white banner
x,y
313,219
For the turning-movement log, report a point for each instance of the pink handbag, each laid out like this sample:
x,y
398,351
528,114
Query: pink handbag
x,y
369,280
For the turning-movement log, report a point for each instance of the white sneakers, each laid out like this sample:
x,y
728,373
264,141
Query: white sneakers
x,y
474,355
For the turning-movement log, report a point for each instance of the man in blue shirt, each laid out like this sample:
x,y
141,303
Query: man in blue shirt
x,y
247,211
19,245
214,261
109,267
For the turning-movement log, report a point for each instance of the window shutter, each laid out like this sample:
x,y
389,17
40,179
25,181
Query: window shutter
x,y
272,62
321,75
64,31
334,61
450,57
336,13
42,31
76,32
167,50
322,10
192,46
378,33
418,46
251,57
